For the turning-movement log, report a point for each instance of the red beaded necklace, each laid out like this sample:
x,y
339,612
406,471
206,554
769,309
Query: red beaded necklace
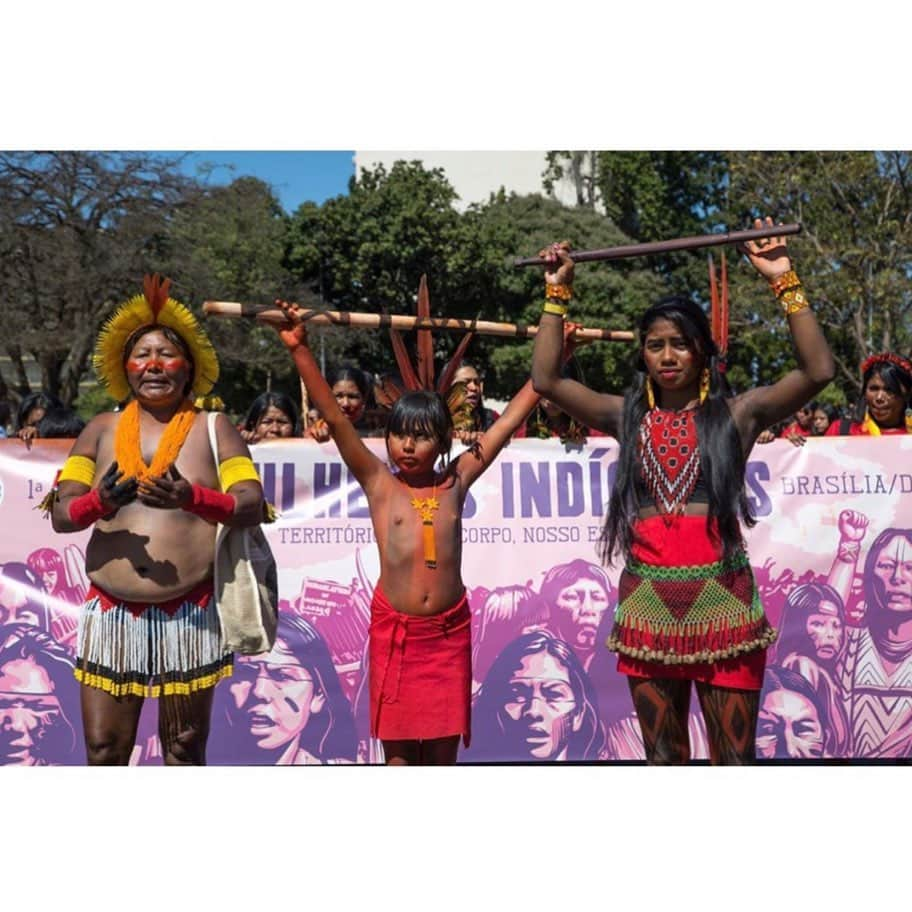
x,y
670,457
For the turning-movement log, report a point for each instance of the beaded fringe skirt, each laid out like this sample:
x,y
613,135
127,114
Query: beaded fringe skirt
x,y
689,614
150,650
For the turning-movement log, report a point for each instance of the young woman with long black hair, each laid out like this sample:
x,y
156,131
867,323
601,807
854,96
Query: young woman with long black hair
x,y
688,608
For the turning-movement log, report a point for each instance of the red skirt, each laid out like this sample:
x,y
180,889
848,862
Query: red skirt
x,y
686,603
420,672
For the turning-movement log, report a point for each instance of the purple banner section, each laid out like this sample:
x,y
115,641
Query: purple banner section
x,y
832,555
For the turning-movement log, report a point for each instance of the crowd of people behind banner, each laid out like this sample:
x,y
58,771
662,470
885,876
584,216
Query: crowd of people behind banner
x,y
532,669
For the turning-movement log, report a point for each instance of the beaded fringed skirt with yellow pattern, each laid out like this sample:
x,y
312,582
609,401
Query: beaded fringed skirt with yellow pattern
x,y
127,648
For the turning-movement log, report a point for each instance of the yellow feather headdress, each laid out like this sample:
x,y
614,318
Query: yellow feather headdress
x,y
153,307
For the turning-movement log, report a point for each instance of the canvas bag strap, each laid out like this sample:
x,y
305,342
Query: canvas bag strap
x,y
213,440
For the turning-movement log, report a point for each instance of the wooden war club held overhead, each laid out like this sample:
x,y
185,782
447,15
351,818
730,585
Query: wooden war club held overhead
x,y
656,247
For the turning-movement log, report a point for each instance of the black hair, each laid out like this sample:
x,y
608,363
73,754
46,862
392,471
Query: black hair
x,y
32,401
353,374
60,423
895,379
422,412
275,399
831,411
172,336
722,460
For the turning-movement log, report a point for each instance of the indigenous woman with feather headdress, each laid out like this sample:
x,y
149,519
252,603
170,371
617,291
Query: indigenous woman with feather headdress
x,y
688,607
148,482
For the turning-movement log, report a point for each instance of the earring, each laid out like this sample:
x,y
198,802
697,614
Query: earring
x,y
909,420
650,395
704,385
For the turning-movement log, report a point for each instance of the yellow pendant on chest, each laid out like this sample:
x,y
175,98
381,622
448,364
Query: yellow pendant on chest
x,y
425,507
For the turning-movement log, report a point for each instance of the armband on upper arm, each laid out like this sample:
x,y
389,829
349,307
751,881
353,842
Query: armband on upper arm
x,y
78,468
237,469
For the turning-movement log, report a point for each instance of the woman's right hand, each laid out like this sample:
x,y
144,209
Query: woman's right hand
x,y
293,332
248,436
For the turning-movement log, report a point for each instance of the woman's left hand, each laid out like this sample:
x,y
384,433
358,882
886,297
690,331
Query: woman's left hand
x,y
167,492
769,256
559,268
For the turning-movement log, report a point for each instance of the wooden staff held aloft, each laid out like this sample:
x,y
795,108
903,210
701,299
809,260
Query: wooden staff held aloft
x,y
265,314
656,247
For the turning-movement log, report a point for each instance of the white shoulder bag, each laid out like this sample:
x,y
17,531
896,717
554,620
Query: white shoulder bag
x,y
246,581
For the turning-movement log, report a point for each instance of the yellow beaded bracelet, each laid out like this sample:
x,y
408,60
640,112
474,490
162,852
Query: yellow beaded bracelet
x,y
564,292
553,307
783,283
794,300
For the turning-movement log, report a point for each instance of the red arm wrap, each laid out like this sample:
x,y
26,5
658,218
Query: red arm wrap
x,y
88,508
210,504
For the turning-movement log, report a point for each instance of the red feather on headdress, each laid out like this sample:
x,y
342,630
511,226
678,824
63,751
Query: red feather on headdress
x,y
421,376
156,292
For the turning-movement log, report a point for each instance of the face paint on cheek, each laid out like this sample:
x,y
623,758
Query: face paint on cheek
x,y
294,707
174,364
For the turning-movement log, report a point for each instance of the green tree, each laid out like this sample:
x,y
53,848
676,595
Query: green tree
x,y
854,254
607,295
77,232
231,245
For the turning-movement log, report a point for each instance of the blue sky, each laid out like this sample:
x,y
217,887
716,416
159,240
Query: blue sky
x,y
294,176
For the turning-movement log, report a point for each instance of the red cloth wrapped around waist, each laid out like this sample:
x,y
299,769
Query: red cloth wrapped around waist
x,y
420,672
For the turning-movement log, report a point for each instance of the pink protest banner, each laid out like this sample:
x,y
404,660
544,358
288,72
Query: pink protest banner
x,y
832,554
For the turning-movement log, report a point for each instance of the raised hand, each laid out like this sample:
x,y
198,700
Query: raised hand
x,y
559,270
852,525
769,256
114,492
293,332
168,492
319,431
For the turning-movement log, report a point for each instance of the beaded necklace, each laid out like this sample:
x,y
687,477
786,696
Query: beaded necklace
x,y
128,443
670,458
425,507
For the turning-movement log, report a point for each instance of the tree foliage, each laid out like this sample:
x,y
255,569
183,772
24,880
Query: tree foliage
x,y
77,231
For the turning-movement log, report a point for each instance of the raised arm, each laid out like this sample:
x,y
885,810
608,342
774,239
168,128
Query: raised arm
x,y
761,407
364,465
597,410
852,529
